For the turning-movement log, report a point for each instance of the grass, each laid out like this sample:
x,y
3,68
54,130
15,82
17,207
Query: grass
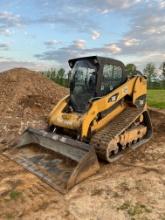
x,y
9,216
15,195
156,98
134,210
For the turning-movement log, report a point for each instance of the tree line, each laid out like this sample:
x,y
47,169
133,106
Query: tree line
x,y
155,76
58,76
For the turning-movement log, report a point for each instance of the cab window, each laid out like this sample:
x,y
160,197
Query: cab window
x,y
111,79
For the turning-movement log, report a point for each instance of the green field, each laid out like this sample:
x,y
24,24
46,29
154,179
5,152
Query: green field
x,y
156,98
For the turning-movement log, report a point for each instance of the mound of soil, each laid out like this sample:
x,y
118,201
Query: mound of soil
x,y
26,98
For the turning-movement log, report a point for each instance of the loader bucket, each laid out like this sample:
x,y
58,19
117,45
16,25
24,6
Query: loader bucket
x,y
60,161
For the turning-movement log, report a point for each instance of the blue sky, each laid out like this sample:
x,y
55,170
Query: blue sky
x,y
41,34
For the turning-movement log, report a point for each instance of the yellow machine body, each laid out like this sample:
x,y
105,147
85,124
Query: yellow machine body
x,y
135,87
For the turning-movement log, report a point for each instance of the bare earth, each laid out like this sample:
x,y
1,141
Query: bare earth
x,y
132,188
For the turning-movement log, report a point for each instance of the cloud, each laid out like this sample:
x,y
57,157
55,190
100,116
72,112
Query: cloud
x,y
73,16
129,3
77,49
104,11
147,33
156,58
5,31
162,4
95,35
113,48
131,42
8,63
80,44
78,14
106,6
84,6
51,43
7,21
145,40
4,46
61,55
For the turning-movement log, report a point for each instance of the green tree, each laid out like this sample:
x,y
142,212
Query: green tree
x,y
149,71
67,79
162,68
131,69
162,81
60,76
49,74
53,74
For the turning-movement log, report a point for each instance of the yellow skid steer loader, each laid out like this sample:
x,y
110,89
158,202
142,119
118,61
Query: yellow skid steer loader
x,y
104,115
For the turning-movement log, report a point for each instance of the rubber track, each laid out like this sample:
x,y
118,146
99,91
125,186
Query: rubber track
x,y
102,138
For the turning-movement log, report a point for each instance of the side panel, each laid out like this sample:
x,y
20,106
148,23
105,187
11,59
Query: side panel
x,y
60,106
112,114
140,91
127,89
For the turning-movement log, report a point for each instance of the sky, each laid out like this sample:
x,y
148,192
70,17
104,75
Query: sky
x,y
41,34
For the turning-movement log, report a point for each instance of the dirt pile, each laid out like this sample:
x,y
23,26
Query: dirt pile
x,y
26,98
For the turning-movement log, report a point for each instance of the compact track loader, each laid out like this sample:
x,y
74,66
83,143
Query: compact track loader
x,y
104,115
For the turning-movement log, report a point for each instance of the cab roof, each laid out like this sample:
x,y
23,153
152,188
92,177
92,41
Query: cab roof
x,y
99,59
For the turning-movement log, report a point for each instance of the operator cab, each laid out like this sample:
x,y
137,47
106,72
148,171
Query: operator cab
x,y
93,77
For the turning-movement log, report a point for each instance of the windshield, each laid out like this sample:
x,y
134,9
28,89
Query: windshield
x,y
82,84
